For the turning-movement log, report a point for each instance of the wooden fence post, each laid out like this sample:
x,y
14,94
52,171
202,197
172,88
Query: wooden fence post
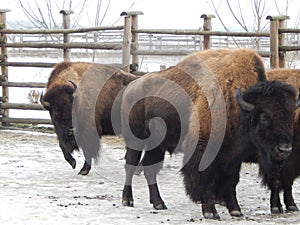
x,y
281,42
66,25
135,38
129,38
126,42
207,27
4,70
274,40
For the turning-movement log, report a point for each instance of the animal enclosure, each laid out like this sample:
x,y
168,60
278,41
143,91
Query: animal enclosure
x,y
130,44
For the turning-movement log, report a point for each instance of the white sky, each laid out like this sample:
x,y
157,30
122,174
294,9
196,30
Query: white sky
x,y
164,13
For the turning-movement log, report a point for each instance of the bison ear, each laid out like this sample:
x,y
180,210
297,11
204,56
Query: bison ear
x,y
246,106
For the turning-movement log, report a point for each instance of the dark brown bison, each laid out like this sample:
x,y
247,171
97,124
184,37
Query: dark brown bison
x,y
251,122
59,97
290,169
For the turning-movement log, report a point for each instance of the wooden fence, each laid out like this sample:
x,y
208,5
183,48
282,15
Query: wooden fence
x,y
130,42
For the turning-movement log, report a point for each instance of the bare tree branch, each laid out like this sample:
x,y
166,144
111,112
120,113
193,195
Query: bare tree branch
x,y
216,11
239,21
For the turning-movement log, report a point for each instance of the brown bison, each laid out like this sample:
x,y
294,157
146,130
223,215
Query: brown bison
x,y
180,98
290,168
59,97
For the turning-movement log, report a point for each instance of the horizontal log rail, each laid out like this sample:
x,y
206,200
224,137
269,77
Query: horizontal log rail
x,y
63,46
24,106
179,52
28,64
163,52
24,120
289,30
60,31
23,84
197,32
289,48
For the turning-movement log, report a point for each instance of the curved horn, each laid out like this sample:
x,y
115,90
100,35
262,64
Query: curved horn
x,y
75,86
242,103
45,104
297,103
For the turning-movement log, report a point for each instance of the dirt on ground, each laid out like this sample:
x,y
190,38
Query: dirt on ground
x,y
39,187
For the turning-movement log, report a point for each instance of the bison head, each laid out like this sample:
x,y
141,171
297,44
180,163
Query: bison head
x,y
267,115
58,100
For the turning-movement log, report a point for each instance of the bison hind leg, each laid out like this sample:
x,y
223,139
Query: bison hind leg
x,y
127,199
152,164
132,160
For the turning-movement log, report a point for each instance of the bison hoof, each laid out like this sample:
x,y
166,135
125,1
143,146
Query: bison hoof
x,y
276,210
236,213
292,208
73,164
160,206
84,171
128,203
211,215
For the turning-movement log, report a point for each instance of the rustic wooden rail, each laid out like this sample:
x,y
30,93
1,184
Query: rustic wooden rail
x,y
130,42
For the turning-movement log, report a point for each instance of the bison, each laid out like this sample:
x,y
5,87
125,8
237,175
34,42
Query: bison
x,y
261,118
290,168
59,98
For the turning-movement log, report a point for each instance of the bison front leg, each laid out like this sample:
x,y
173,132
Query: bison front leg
x,y
69,158
288,198
152,164
276,207
132,158
208,204
86,168
231,201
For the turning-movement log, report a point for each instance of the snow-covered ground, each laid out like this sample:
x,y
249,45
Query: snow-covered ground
x,y
38,187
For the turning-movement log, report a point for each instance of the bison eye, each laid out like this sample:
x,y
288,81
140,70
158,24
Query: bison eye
x,y
264,121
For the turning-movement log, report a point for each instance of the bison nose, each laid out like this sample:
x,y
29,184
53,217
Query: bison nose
x,y
282,151
286,147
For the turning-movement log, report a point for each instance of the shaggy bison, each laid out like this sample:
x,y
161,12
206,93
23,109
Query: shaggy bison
x,y
259,119
59,96
290,169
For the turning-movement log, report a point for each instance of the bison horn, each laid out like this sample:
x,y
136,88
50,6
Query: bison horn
x,y
45,104
75,86
242,103
297,103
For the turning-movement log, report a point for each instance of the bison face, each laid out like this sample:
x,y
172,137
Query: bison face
x,y
267,112
58,101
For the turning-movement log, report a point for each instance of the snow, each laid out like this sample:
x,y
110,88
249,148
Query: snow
x,y
39,187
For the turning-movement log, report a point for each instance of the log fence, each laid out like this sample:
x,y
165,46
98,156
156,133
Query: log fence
x,y
130,42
